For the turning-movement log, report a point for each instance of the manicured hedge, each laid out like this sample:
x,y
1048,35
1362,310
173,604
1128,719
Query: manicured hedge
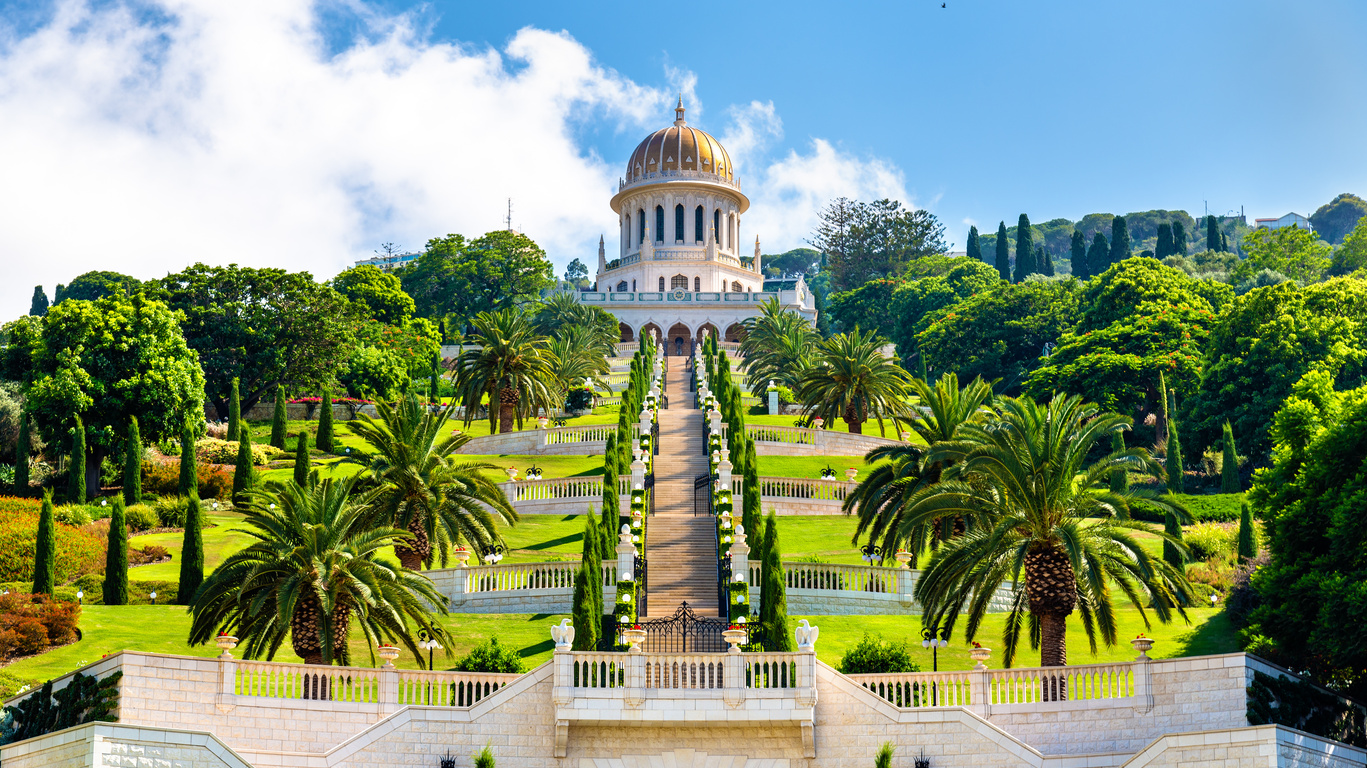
x,y
78,552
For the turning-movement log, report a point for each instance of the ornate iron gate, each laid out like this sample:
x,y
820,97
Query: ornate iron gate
x,y
684,632
702,495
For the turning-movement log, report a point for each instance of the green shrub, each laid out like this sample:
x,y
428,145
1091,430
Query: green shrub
x,y
483,758
78,551
874,654
30,623
141,518
491,656
139,592
211,450
164,479
75,515
1208,540
170,511
1213,508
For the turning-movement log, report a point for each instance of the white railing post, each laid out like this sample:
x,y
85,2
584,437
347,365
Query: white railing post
x,y
806,635
979,690
638,474
906,580
227,671
740,551
461,584
1143,684
733,678
389,688
626,555
724,468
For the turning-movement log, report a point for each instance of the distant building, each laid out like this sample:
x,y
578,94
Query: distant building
x,y
389,262
1289,220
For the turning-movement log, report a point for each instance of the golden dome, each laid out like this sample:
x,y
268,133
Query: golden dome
x,y
679,148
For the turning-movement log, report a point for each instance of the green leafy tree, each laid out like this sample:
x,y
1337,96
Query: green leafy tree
x,y
1338,217
1120,240
109,360
45,550
1248,547
510,367
279,420
1127,285
21,473
1212,235
301,459
937,282
132,463
1062,541
1179,238
461,278
374,373
1229,464
38,307
115,587
264,327
244,474
191,552
1292,251
1025,249
234,409
58,294
92,286
867,306
1352,255
189,481
773,611
1077,249
1003,261
76,467
1315,586
975,250
852,379
378,293
315,566
577,273
324,440
880,239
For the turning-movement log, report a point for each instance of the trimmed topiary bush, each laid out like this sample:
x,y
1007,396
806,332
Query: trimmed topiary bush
x,y
278,420
45,549
324,440
115,586
491,656
141,518
191,553
873,654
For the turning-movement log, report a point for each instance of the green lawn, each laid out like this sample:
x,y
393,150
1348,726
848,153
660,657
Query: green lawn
x,y
261,430
810,466
538,538
550,466
219,542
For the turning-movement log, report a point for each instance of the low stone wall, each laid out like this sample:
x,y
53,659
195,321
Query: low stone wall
x,y
113,745
797,441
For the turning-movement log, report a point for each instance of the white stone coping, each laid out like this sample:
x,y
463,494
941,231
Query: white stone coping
x,y
93,733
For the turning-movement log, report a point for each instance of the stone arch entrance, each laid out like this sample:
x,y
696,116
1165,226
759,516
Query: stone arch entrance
x,y
705,330
734,332
649,330
625,331
679,341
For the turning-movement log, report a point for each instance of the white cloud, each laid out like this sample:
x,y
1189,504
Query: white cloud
x,y
141,140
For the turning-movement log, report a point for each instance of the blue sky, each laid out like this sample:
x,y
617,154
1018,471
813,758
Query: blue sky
x,y
143,136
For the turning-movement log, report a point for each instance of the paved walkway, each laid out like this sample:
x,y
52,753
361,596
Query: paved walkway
x,y
680,548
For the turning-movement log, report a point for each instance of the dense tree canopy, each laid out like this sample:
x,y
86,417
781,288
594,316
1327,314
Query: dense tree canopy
x,y
1297,253
377,291
96,285
865,241
936,282
460,278
1336,218
1118,291
1352,255
868,306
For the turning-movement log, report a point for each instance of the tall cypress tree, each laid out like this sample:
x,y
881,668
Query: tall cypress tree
x,y
1003,253
324,441
1025,249
38,307
234,408
1120,240
1163,248
1179,238
1224,242
132,463
243,472
1176,478
593,570
77,471
1099,255
1248,547
1047,268
115,589
1078,256
773,593
751,514
1212,234
191,552
975,250
586,625
21,456
45,550
189,481
1229,463
278,420
612,507
1161,422
301,460
58,294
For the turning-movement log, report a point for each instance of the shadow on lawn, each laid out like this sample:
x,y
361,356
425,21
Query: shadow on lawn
x,y
1215,635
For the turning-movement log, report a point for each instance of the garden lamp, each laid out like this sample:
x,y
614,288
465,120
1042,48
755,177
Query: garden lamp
x,y
929,640
80,597
153,595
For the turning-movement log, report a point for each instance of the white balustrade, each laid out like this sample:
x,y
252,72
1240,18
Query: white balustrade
x,y
448,689
301,681
1073,683
508,577
838,578
917,690
802,488
585,434
561,488
778,434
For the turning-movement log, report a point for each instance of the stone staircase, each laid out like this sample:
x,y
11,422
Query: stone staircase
x,y
680,548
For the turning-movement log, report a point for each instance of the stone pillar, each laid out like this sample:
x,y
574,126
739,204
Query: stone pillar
x,y
733,678
979,686
714,421
638,474
1143,685
906,586
227,682
724,471
806,682
740,551
626,555
389,689
773,398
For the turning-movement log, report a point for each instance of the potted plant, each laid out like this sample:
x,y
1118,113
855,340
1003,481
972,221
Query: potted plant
x,y
1142,645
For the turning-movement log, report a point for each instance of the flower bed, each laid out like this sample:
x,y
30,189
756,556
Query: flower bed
x,y
31,624
78,552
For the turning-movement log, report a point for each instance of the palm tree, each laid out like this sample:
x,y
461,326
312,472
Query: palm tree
x,y
314,568
575,356
853,379
511,367
900,471
563,309
1040,513
424,488
778,346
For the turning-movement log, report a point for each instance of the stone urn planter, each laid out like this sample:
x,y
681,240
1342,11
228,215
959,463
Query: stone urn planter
x,y
850,474
735,637
818,423
634,637
389,653
541,422
981,656
226,643
1142,645
462,556
903,558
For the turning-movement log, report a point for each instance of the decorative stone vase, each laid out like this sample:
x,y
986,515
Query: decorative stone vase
x,y
227,643
462,556
903,557
735,637
1142,645
389,653
634,638
512,474
818,423
541,422
981,656
850,473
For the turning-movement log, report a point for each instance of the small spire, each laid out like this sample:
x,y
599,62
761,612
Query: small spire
x,y
679,112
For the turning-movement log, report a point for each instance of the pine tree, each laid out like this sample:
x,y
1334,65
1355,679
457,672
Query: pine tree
x,y
1224,242
1176,478
324,439
1098,256
773,593
1248,547
975,250
301,460
77,464
1120,479
1229,463
586,625
1003,253
1163,248
38,307
1179,238
115,589
234,408
189,481
132,463
593,557
45,550
1212,234
191,553
751,514
1025,249
1078,256
243,472
21,475
278,420
1120,240
1047,269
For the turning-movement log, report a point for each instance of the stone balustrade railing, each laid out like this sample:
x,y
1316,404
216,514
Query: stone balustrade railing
x,y
576,488
448,689
773,440
516,587
805,488
586,440
518,576
831,589
387,687
843,578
